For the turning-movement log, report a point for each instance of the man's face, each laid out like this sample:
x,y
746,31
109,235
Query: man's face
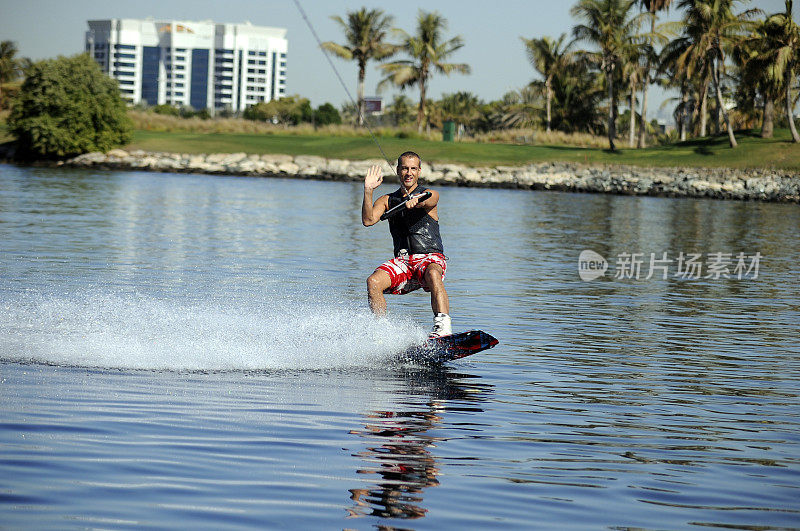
x,y
408,170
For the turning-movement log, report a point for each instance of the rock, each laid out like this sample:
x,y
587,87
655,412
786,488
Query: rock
x,y
753,184
289,168
337,167
117,153
309,161
277,159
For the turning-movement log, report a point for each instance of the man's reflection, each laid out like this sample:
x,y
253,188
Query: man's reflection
x,y
400,447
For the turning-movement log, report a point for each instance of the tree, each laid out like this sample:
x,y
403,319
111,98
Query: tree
x,y
521,108
10,65
462,107
577,97
428,52
652,7
67,106
714,29
399,110
778,54
364,31
289,110
609,26
549,57
756,80
327,114
634,59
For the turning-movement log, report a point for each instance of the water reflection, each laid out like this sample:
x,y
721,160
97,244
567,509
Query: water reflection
x,y
400,448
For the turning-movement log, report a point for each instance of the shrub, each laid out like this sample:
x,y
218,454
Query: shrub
x,y
289,110
66,107
327,114
167,109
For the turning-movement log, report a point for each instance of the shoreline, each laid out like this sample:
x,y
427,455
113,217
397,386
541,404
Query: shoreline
x,y
717,183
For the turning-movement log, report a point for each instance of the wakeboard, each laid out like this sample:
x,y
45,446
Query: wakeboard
x,y
448,348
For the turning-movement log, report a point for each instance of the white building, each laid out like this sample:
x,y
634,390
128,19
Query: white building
x,y
197,64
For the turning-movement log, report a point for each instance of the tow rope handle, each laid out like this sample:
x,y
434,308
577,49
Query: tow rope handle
x,y
399,208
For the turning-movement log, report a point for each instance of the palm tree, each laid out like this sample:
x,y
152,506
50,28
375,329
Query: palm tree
x,y
463,107
714,29
549,57
691,72
608,25
364,31
779,56
400,109
428,52
10,65
755,78
577,97
633,71
521,108
652,7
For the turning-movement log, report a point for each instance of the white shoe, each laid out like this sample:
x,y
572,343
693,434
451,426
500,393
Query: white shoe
x,y
441,325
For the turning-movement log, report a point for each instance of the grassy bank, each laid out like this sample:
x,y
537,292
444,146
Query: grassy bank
x,y
753,152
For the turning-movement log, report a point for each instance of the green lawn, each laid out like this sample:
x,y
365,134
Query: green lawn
x,y
753,152
778,152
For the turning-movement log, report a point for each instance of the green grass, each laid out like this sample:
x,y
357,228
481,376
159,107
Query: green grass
x,y
753,152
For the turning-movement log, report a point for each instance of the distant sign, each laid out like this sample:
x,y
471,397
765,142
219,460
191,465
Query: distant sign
x,y
373,105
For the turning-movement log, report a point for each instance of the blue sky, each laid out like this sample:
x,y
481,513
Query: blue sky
x,y
491,32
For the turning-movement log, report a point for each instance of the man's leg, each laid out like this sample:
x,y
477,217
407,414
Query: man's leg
x,y
433,279
376,284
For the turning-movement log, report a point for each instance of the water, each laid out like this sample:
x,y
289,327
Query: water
x,y
185,351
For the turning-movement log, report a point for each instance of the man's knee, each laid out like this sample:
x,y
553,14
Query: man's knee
x,y
434,274
378,281
434,271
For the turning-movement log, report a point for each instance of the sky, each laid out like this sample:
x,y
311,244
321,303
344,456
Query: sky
x,y
491,31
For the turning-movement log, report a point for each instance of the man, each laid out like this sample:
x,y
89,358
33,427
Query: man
x,y
418,260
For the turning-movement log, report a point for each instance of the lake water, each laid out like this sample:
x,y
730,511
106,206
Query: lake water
x,y
181,351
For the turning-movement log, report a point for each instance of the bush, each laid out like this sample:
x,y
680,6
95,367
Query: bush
x,y
66,107
167,109
326,114
289,110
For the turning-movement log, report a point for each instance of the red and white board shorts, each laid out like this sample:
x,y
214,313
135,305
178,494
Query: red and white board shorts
x,y
408,271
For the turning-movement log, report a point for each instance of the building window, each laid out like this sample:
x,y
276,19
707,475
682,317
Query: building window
x,y
124,47
124,56
150,58
198,94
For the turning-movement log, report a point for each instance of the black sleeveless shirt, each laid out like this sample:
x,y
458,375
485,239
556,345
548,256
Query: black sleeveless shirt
x,y
413,229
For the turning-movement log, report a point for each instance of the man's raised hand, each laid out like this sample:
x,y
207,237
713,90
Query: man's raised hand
x,y
374,178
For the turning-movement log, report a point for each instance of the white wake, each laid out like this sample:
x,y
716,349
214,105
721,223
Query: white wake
x,y
145,332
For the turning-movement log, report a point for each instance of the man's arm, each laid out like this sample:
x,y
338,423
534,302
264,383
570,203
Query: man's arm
x,y
429,204
371,212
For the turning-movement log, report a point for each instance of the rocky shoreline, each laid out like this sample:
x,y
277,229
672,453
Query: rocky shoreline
x,y
718,183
